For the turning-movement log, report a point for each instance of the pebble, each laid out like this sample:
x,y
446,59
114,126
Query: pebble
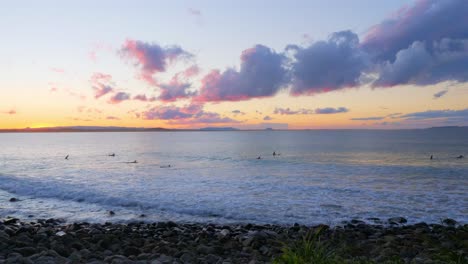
x,y
53,241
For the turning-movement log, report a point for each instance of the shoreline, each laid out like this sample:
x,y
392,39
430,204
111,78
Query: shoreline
x,y
23,241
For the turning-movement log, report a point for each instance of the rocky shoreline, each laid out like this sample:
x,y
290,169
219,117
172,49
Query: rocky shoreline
x,y
391,241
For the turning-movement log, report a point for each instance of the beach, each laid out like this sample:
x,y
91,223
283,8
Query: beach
x,y
53,241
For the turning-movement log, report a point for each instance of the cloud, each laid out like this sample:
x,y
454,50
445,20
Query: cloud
x,y
237,112
367,118
435,114
10,112
189,114
328,65
101,84
331,110
422,44
261,74
172,112
58,70
112,118
440,94
194,12
288,111
427,21
387,123
175,90
267,118
101,90
394,115
143,98
119,97
151,58
421,65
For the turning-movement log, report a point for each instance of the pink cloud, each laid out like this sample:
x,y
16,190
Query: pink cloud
x,y
189,114
143,98
58,70
175,89
101,84
119,97
151,58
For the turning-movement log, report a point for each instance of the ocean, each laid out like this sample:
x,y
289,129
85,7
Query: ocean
x,y
322,176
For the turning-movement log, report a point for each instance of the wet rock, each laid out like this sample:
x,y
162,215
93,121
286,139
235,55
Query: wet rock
x,y
449,222
10,220
397,220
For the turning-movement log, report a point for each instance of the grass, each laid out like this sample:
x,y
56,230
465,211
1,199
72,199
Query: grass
x,y
308,250
312,250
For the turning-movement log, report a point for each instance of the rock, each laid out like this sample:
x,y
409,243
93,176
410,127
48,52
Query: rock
x,y
205,250
116,259
75,257
449,222
129,251
26,251
163,259
4,235
171,224
187,257
60,233
397,220
212,258
10,220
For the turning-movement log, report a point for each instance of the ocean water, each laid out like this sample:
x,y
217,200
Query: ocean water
x,y
320,176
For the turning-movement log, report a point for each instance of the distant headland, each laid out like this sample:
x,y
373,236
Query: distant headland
x,y
160,129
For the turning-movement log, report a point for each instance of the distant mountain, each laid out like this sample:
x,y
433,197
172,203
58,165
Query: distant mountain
x,y
83,129
219,129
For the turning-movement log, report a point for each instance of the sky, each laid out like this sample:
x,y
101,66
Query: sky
x,y
245,64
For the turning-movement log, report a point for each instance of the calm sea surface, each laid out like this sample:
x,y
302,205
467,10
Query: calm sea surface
x,y
320,176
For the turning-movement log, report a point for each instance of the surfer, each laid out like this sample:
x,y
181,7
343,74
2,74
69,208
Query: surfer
x,y
259,157
431,157
66,157
112,155
460,157
274,153
132,161
165,166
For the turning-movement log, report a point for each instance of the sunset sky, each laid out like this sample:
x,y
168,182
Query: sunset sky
x,y
245,64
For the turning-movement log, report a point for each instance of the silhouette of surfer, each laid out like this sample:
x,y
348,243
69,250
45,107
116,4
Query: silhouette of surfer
x,y
259,157
460,157
66,157
132,161
431,157
165,166
274,153
112,155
